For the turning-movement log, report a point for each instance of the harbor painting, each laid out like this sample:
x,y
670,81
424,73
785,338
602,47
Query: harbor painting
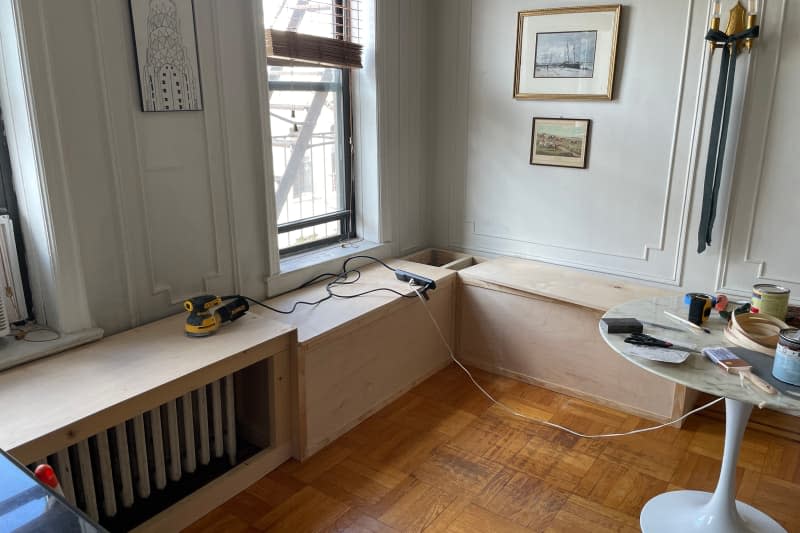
x,y
560,142
568,54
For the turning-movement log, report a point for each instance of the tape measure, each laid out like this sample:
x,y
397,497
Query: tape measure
x,y
700,306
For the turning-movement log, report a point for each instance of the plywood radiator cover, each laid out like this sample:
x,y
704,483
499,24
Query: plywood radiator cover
x,y
123,465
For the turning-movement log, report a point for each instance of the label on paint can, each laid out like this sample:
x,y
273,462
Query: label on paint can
x,y
770,300
786,366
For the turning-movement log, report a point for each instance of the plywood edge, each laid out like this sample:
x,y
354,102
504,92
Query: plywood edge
x,y
583,288
83,428
531,295
198,503
344,428
600,400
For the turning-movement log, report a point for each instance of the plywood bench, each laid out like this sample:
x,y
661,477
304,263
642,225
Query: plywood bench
x,y
356,355
539,323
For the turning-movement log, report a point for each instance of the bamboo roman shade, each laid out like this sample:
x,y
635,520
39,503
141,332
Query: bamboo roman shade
x,y
314,33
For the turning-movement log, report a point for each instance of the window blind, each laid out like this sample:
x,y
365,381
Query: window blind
x,y
313,33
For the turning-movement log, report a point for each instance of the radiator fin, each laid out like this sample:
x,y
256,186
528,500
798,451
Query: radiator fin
x,y
106,474
202,424
115,469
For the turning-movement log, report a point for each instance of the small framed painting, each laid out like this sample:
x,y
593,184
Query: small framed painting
x,y
560,142
166,55
566,53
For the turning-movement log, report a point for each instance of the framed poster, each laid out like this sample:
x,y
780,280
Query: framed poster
x,y
166,55
560,142
566,53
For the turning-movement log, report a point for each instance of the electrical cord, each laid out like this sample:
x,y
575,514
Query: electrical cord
x,y
537,420
23,333
339,278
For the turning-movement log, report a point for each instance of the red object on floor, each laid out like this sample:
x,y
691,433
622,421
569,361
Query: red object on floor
x,y
46,475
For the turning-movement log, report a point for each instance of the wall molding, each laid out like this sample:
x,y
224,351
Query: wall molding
x,y
723,283
113,149
682,204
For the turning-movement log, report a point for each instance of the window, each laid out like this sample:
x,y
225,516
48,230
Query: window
x,y
8,206
311,50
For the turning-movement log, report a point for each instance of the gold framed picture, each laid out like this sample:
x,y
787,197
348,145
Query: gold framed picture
x,y
560,142
566,53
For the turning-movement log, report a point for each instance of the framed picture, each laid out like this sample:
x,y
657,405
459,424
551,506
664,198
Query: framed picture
x,y
560,142
566,53
166,55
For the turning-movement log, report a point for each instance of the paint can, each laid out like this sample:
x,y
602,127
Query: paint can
x,y
770,300
786,366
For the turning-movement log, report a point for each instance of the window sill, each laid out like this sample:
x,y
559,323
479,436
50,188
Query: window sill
x,y
15,352
298,269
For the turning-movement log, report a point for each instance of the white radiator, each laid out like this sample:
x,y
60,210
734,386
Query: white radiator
x,y
124,464
12,298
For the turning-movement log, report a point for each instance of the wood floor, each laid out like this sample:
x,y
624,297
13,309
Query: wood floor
x,y
441,458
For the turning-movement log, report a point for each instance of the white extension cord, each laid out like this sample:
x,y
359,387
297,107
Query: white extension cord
x,y
538,420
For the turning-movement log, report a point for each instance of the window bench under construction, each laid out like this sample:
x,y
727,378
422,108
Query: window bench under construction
x,y
169,426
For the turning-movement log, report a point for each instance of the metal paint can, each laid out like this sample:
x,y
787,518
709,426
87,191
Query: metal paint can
x,y
786,366
770,300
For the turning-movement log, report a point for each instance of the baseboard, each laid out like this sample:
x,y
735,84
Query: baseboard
x,y
568,391
766,420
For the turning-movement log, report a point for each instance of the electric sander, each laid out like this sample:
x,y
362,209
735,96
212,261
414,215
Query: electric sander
x,y
207,313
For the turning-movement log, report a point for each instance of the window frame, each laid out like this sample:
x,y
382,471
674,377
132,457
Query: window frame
x,y
347,215
10,206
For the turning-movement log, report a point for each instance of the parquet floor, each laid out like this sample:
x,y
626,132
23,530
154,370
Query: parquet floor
x,y
441,458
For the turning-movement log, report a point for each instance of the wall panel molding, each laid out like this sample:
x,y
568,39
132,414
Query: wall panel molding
x,y
680,157
113,149
740,266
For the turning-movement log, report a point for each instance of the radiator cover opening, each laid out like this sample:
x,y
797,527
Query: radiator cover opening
x,y
129,473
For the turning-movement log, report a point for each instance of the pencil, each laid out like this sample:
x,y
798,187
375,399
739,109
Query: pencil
x,y
685,322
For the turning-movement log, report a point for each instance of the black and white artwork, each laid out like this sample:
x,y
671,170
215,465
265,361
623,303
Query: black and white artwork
x,y
565,54
166,53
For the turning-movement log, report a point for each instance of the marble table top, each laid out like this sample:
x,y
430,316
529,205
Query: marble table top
x,y
697,372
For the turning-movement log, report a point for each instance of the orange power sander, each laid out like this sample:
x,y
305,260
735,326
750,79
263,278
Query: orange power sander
x,y
207,313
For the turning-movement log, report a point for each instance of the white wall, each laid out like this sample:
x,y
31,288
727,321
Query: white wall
x,y
164,205
169,205
634,210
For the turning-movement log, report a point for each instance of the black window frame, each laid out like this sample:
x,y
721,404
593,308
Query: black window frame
x,y
345,216
342,89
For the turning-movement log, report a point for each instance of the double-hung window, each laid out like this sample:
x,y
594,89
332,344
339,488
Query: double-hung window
x,y
311,47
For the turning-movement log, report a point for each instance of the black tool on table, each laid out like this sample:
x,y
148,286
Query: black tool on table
x,y
642,339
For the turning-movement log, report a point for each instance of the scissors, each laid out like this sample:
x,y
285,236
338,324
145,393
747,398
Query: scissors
x,y
642,339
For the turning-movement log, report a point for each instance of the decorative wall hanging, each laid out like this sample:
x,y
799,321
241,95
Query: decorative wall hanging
x,y
739,34
560,142
566,53
166,55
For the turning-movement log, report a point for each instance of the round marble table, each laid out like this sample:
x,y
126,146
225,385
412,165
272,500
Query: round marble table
x,y
688,510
